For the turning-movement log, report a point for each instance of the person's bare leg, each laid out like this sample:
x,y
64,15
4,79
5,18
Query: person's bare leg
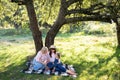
x,y
71,72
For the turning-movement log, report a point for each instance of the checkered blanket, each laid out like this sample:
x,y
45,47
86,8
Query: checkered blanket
x,y
29,70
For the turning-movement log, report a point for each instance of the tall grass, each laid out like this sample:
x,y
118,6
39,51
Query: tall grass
x,y
94,57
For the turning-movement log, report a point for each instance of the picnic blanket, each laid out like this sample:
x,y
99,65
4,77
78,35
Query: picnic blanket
x,y
29,70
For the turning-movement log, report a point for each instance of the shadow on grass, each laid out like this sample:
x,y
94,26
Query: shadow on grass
x,y
106,61
13,72
101,68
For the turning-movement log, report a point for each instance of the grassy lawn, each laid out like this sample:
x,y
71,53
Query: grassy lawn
x,y
95,57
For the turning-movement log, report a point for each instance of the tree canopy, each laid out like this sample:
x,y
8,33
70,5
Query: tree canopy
x,y
56,13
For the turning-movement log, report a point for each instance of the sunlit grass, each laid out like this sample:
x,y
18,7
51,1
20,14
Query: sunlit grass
x,y
94,57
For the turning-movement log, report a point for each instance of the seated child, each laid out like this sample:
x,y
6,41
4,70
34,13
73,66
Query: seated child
x,y
58,66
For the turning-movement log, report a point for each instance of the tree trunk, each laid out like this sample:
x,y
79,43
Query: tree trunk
x,y
118,32
57,25
36,33
51,34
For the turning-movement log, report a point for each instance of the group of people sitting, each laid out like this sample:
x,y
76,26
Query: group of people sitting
x,y
47,61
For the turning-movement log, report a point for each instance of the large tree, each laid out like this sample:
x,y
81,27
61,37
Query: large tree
x,y
96,11
36,33
73,11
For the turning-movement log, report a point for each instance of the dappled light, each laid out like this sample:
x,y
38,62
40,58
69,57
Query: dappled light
x,y
85,32
97,59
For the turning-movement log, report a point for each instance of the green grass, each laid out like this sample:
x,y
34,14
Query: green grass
x,y
94,57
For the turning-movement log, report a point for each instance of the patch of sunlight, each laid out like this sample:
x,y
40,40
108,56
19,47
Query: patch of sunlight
x,y
86,76
104,77
89,58
4,63
88,41
82,49
78,34
54,78
77,51
5,43
112,63
67,57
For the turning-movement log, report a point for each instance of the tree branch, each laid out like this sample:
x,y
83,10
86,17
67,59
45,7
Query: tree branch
x,y
89,18
71,2
96,6
82,11
88,11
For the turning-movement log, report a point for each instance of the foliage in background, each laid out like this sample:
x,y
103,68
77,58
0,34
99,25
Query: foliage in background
x,y
46,10
99,28
91,28
13,15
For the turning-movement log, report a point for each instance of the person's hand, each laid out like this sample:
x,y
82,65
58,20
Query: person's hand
x,y
45,62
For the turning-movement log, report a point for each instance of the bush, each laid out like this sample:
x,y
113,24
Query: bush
x,y
99,28
90,28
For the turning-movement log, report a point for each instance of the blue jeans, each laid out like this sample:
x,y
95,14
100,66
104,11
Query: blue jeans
x,y
58,66
37,65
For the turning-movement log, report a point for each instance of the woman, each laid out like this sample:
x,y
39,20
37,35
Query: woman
x,y
41,59
52,56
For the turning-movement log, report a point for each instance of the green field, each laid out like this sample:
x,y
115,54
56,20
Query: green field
x,y
95,57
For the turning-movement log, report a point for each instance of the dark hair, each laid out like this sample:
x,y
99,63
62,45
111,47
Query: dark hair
x,y
58,54
50,53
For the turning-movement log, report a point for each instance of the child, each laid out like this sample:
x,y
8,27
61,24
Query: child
x,y
58,66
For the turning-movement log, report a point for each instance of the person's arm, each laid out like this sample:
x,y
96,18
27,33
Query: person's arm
x,y
43,62
38,57
56,61
48,58
59,61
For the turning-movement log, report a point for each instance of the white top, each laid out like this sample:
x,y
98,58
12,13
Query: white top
x,y
52,59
